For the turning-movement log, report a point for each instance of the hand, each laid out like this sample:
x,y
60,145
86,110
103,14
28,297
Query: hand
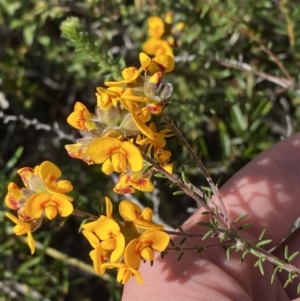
x,y
268,189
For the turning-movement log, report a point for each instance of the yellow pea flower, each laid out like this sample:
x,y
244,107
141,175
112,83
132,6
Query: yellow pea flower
x,y
110,247
156,27
45,177
113,122
144,129
144,247
144,114
90,227
14,197
130,75
142,219
81,118
154,46
124,272
123,189
50,175
111,238
26,174
158,141
155,108
123,154
139,116
78,150
161,35
98,256
24,216
107,98
44,193
92,238
141,182
164,63
131,256
129,98
127,183
157,240
49,204
23,228
156,79
107,167
168,17
109,209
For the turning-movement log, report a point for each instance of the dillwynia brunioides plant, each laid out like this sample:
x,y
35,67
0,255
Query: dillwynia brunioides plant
x,y
127,135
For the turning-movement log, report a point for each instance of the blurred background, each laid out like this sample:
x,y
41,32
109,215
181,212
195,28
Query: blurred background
x,y
236,93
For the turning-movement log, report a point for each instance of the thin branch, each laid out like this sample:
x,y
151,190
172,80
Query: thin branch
x,y
282,82
219,244
248,32
83,214
265,254
200,165
188,191
186,234
16,290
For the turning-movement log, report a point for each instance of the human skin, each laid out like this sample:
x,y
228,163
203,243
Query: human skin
x,y
268,188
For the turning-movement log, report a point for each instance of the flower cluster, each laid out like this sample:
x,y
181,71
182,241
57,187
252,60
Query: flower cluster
x,y
161,35
121,129
44,196
121,135
123,244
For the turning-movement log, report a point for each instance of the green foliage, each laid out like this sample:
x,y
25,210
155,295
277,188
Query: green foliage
x,y
89,48
54,53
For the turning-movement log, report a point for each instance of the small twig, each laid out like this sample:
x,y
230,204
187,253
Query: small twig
x,y
82,214
200,165
219,244
265,254
286,108
186,234
282,82
187,190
